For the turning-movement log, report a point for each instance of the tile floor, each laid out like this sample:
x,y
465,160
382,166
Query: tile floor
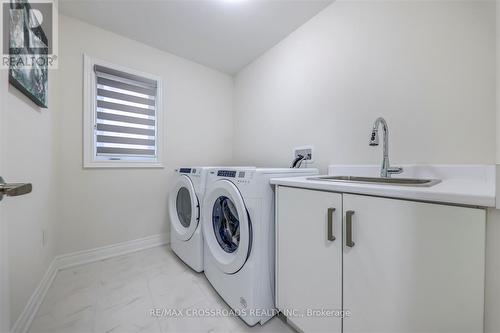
x,y
118,294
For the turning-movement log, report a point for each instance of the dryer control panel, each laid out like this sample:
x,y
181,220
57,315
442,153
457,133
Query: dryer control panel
x,y
191,171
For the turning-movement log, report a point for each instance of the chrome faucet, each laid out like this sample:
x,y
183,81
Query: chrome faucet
x,y
386,171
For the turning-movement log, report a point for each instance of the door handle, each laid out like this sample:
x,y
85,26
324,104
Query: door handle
x,y
348,228
14,189
330,232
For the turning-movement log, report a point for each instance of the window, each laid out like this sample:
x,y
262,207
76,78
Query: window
x,y
122,116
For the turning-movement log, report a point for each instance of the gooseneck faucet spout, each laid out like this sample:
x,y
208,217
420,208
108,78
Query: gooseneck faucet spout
x,y
386,170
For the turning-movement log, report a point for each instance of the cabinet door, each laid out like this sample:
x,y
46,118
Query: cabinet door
x,y
414,267
309,262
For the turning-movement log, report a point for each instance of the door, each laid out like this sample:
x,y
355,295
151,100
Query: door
x,y
4,273
309,258
226,226
412,267
184,209
6,190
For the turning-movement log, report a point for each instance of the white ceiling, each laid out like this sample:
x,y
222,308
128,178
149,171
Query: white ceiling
x,y
222,34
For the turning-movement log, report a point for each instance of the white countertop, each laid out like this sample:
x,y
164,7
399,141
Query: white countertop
x,y
463,185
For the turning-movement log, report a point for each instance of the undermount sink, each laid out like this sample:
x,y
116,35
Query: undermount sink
x,y
378,180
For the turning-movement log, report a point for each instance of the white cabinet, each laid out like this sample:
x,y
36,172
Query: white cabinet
x,y
309,265
415,267
411,266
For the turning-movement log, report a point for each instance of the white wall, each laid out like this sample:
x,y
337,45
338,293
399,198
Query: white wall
x,y
497,2
101,207
426,66
28,154
492,283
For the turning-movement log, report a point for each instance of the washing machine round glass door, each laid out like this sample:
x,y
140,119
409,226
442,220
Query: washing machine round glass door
x,y
227,228
184,209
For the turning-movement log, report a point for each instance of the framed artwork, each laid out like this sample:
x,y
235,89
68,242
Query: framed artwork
x,y
28,47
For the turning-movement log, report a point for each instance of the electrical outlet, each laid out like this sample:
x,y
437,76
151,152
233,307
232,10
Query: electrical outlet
x,y
306,151
44,237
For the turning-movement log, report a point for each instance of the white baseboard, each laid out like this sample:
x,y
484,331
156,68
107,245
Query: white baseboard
x,y
24,320
100,253
64,261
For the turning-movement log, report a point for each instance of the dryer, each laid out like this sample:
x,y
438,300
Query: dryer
x,y
238,229
186,196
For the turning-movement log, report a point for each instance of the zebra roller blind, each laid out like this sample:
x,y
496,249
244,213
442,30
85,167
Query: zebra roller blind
x,y
126,112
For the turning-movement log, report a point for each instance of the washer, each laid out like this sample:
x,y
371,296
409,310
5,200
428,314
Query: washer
x,y
238,228
184,202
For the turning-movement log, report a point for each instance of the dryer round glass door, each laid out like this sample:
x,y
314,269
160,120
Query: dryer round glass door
x,y
183,208
227,228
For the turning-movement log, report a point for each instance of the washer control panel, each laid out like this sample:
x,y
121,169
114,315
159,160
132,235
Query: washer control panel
x,y
239,176
226,173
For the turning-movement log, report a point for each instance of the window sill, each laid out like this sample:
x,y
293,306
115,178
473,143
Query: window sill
x,y
122,165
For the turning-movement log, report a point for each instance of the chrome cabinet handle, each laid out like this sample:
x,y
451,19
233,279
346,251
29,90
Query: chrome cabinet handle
x,y
14,189
348,228
330,234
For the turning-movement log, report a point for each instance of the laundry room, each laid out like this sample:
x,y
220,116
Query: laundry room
x,y
249,166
